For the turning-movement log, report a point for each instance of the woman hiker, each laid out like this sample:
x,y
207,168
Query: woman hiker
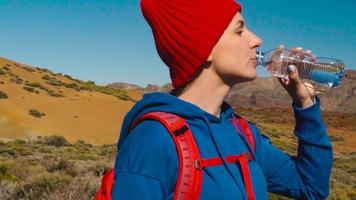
x,y
208,49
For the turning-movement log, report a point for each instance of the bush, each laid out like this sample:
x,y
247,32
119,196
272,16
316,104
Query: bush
x,y
2,72
334,138
46,77
6,68
30,89
6,190
45,184
85,156
55,82
99,168
54,94
3,95
72,85
62,165
80,144
7,152
36,85
29,69
54,140
90,82
107,150
17,80
36,113
67,76
5,173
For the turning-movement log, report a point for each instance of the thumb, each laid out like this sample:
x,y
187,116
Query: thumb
x,y
293,74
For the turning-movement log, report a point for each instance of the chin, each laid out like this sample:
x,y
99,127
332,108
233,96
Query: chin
x,y
243,79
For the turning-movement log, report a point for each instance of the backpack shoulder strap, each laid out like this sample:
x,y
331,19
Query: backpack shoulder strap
x,y
189,179
107,182
243,127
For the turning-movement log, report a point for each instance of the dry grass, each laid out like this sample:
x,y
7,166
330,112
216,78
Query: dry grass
x,y
341,128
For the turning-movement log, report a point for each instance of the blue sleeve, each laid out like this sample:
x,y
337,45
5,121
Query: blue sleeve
x,y
307,175
147,164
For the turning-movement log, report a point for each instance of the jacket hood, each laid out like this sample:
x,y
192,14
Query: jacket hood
x,y
166,102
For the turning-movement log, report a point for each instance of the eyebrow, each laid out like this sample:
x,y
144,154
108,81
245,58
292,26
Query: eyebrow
x,y
240,24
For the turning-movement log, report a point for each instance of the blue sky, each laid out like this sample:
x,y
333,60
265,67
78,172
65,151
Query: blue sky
x,y
108,41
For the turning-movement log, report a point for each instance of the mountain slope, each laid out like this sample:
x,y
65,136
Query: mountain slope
x,y
40,102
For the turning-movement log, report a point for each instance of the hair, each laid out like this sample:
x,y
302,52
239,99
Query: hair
x,y
178,91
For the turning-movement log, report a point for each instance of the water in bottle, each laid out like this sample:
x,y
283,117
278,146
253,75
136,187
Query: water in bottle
x,y
326,72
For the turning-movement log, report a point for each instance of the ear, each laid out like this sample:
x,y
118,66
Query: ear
x,y
210,57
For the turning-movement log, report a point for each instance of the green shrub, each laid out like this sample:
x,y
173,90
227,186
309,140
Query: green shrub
x,y
107,150
30,89
5,173
54,94
72,85
2,72
85,87
17,79
334,138
99,168
67,76
85,156
45,184
20,142
54,140
36,85
90,82
80,144
7,152
46,77
62,165
29,69
55,82
36,113
3,95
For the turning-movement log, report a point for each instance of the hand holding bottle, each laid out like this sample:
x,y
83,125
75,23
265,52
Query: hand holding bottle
x,y
302,92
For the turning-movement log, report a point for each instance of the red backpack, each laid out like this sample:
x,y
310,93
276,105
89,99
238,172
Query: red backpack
x,y
190,173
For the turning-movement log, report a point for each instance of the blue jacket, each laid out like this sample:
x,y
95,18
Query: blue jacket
x,y
147,164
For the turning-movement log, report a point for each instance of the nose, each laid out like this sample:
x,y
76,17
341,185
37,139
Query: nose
x,y
255,41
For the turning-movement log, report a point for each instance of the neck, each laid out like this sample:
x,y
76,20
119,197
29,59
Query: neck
x,y
207,91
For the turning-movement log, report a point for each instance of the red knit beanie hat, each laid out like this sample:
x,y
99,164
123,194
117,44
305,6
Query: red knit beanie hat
x,y
185,31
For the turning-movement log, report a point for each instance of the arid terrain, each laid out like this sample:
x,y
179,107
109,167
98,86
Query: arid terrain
x,y
58,134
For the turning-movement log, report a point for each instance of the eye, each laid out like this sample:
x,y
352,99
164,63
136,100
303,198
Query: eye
x,y
240,31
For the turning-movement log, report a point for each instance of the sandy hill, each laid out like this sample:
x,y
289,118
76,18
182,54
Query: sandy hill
x,y
35,101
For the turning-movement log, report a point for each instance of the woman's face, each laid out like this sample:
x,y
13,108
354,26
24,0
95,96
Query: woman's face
x,y
234,55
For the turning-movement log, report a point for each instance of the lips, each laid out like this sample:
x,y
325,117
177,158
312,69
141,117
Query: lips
x,y
254,61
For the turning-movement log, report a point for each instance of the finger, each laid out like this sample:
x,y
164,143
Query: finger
x,y
293,74
307,83
310,89
283,81
296,53
308,53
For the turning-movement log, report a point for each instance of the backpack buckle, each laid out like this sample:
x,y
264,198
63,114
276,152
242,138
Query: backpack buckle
x,y
198,165
249,156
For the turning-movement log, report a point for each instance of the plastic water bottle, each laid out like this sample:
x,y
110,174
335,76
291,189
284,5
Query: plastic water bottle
x,y
325,72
